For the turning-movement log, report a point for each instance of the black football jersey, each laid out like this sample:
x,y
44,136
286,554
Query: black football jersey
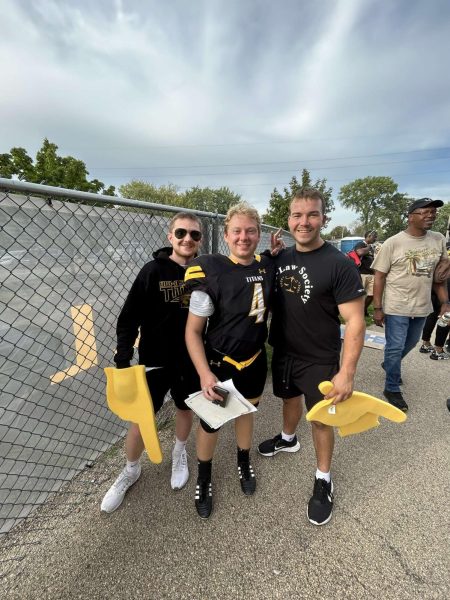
x,y
241,295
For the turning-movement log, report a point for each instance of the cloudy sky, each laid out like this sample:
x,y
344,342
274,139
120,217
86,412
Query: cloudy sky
x,y
241,93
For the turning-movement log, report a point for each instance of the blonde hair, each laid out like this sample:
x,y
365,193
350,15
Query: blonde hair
x,y
243,208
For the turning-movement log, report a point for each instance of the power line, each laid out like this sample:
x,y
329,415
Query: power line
x,y
287,161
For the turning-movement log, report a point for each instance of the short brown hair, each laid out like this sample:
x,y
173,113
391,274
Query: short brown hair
x,y
242,208
308,193
184,215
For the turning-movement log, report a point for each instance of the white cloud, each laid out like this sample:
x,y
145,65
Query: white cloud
x,y
153,85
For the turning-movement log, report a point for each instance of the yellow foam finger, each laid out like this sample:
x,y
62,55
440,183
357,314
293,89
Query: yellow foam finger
x,y
128,397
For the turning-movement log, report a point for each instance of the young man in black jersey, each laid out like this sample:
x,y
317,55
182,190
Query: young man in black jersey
x,y
157,308
315,283
231,296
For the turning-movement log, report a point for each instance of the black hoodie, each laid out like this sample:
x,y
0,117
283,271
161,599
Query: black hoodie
x,y
158,306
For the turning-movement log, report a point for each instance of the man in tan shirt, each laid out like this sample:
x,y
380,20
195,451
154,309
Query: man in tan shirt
x,y
404,269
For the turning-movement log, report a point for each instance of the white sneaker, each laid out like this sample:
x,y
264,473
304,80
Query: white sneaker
x,y
116,493
180,471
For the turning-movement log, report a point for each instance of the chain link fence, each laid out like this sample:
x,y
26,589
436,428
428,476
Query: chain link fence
x,y
67,261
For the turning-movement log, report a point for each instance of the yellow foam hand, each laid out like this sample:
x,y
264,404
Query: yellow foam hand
x,y
358,413
129,398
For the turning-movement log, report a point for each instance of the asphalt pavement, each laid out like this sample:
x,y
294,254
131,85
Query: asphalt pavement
x,y
388,538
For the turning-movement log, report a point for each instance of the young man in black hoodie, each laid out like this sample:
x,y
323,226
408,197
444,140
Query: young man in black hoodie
x,y
157,307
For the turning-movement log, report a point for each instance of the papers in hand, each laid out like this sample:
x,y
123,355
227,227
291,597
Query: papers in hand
x,y
213,414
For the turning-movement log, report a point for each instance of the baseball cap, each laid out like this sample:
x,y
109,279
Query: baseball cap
x,y
422,203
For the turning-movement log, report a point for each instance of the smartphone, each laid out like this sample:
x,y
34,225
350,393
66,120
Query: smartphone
x,y
223,393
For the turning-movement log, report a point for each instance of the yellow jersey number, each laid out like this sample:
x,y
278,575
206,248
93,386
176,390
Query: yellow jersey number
x,y
258,307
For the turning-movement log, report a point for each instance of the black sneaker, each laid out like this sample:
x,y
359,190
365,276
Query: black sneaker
x,y
320,505
426,349
396,399
435,355
277,444
401,380
247,478
203,498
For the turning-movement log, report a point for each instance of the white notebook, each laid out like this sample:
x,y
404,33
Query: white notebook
x,y
213,414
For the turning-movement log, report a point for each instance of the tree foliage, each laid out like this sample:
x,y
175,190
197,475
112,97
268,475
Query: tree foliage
x,y
392,215
197,198
278,212
366,197
211,200
442,222
50,169
147,192
337,233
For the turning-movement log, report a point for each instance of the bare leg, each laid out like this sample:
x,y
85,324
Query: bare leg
x,y
323,439
206,444
292,412
244,431
183,424
134,445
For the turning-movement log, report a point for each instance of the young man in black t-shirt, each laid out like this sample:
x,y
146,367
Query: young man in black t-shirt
x,y
315,284
365,252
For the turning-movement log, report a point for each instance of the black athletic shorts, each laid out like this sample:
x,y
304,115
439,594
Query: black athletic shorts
x,y
249,381
292,377
179,381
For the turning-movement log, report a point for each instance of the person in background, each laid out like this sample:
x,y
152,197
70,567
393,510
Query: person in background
x,y
156,309
436,352
225,336
365,251
404,269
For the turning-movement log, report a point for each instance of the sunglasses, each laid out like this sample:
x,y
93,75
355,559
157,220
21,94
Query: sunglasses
x,y
181,233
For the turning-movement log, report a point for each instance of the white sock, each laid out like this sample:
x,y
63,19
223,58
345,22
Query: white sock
x,y
321,475
179,445
132,466
287,437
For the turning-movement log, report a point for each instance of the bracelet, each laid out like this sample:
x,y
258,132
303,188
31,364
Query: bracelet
x,y
377,308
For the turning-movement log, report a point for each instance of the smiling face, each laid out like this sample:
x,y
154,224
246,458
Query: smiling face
x,y
183,244
242,236
306,219
422,219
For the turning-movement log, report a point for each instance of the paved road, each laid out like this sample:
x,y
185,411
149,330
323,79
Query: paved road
x,y
389,536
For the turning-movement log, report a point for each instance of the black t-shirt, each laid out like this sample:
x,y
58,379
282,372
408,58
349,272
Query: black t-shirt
x,y
366,260
241,295
309,287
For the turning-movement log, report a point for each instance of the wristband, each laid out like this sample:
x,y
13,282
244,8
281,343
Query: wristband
x,y
377,308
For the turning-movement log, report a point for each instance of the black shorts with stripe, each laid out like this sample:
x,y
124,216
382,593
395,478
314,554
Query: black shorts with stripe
x,y
292,377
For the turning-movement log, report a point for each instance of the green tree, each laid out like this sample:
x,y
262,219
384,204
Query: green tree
x,y
442,222
211,200
338,233
366,197
147,192
51,169
392,215
278,212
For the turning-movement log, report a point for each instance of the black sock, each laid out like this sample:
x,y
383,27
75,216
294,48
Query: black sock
x,y
243,456
204,469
